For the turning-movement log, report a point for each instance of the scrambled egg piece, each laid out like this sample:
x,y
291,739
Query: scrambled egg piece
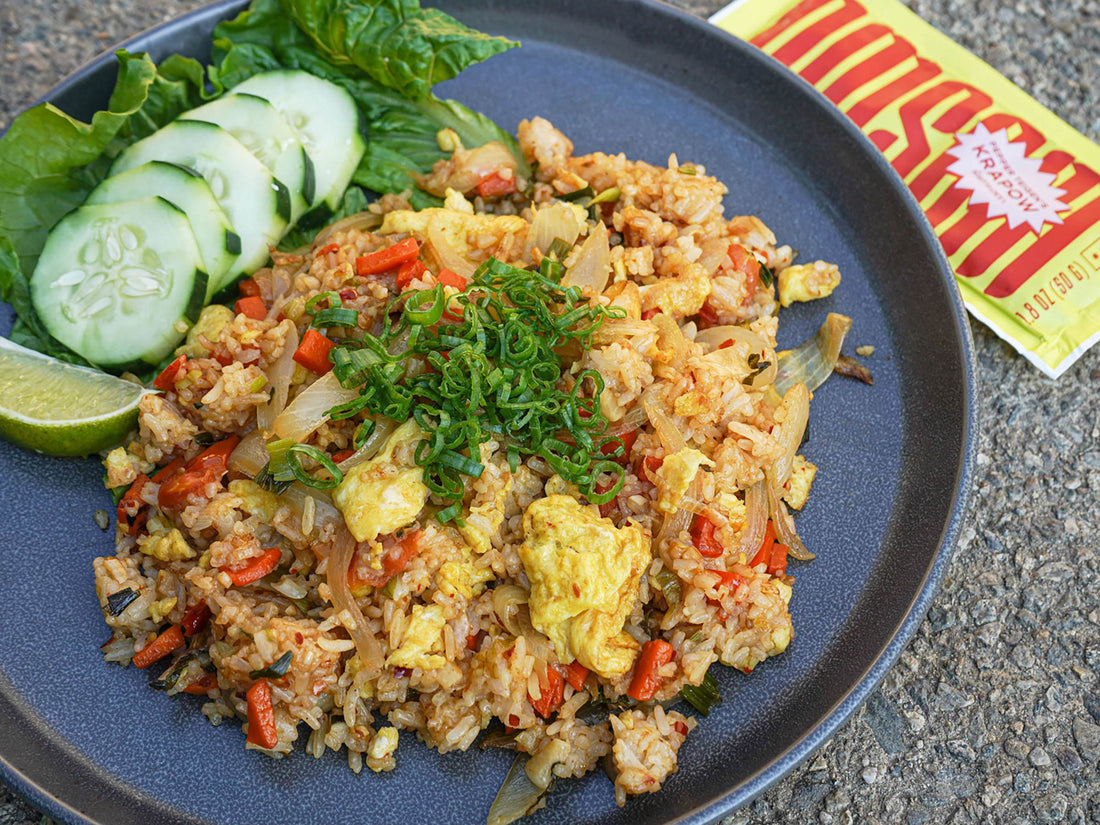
x,y
462,578
457,202
807,282
422,642
678,296
255,499
797,489
212,321
385,493
486,513
675,475
453,225
584,575
168,547
161,608
383,744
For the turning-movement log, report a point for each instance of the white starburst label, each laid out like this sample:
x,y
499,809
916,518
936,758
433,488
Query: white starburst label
x,y
998,173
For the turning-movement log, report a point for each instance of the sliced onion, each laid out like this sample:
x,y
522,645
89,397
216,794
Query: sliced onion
x,y
714,337
635,417
324,511
559,220
518,795
382,429
339,562
307,412
444,252
360,221
813,361
249,456
715,252
589,266
278,379
756,518
671,437
467,168
784,524
670,338
796,404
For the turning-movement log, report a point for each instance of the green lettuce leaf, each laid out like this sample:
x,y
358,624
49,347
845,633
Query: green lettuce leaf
x,y
401,132
395,42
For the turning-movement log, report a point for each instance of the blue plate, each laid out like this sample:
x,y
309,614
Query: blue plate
x,y
92,743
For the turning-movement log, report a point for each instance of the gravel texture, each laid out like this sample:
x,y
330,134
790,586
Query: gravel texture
x,y
992,713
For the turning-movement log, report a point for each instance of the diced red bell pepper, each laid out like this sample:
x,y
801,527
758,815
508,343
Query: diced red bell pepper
x,y
251,306
261,715
708,317
702,536
131,509
342,455
208,466
395,559
312,352
655,654
409,272
248,288
627,440
255,568
552,693
202,685
171,639
576,674
495,184
383,260
166,381
452,279
195,619
324,250
763,555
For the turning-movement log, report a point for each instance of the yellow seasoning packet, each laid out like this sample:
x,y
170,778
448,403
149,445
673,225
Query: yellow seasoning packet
x,y
1011,190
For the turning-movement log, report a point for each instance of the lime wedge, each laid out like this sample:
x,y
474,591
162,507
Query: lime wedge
x,y
62,409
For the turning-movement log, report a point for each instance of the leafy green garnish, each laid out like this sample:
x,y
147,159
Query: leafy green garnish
x,y
402,130
704,696
275,670
492,371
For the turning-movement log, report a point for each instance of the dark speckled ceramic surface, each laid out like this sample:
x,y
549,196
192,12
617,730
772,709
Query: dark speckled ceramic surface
x,y
90,742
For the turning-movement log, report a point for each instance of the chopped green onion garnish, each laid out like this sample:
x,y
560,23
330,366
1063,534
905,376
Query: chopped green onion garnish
x,y
494,374
578,194
322,458
276,670
268,482
120,600
559,249
702,697
607,196
767,277
335,317
332,298
259,383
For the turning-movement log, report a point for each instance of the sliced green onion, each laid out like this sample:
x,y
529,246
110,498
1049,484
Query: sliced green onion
x,y
267,481
670,586
275,670
259,383
335,317
436,301
704,696
609,195
578,194
362,433
767,277
120,600
333,299
321,457
559,249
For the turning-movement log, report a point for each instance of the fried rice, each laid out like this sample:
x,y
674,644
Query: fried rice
x,y
533,613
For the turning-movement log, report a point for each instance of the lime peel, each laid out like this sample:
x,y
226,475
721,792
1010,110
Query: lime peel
x,y
62,409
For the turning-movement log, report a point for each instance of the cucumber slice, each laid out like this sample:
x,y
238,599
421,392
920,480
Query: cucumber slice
x,y
120,283
258,205
181,187
326,120
263,131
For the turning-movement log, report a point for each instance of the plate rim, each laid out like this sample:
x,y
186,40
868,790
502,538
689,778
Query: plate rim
x,y
740,795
